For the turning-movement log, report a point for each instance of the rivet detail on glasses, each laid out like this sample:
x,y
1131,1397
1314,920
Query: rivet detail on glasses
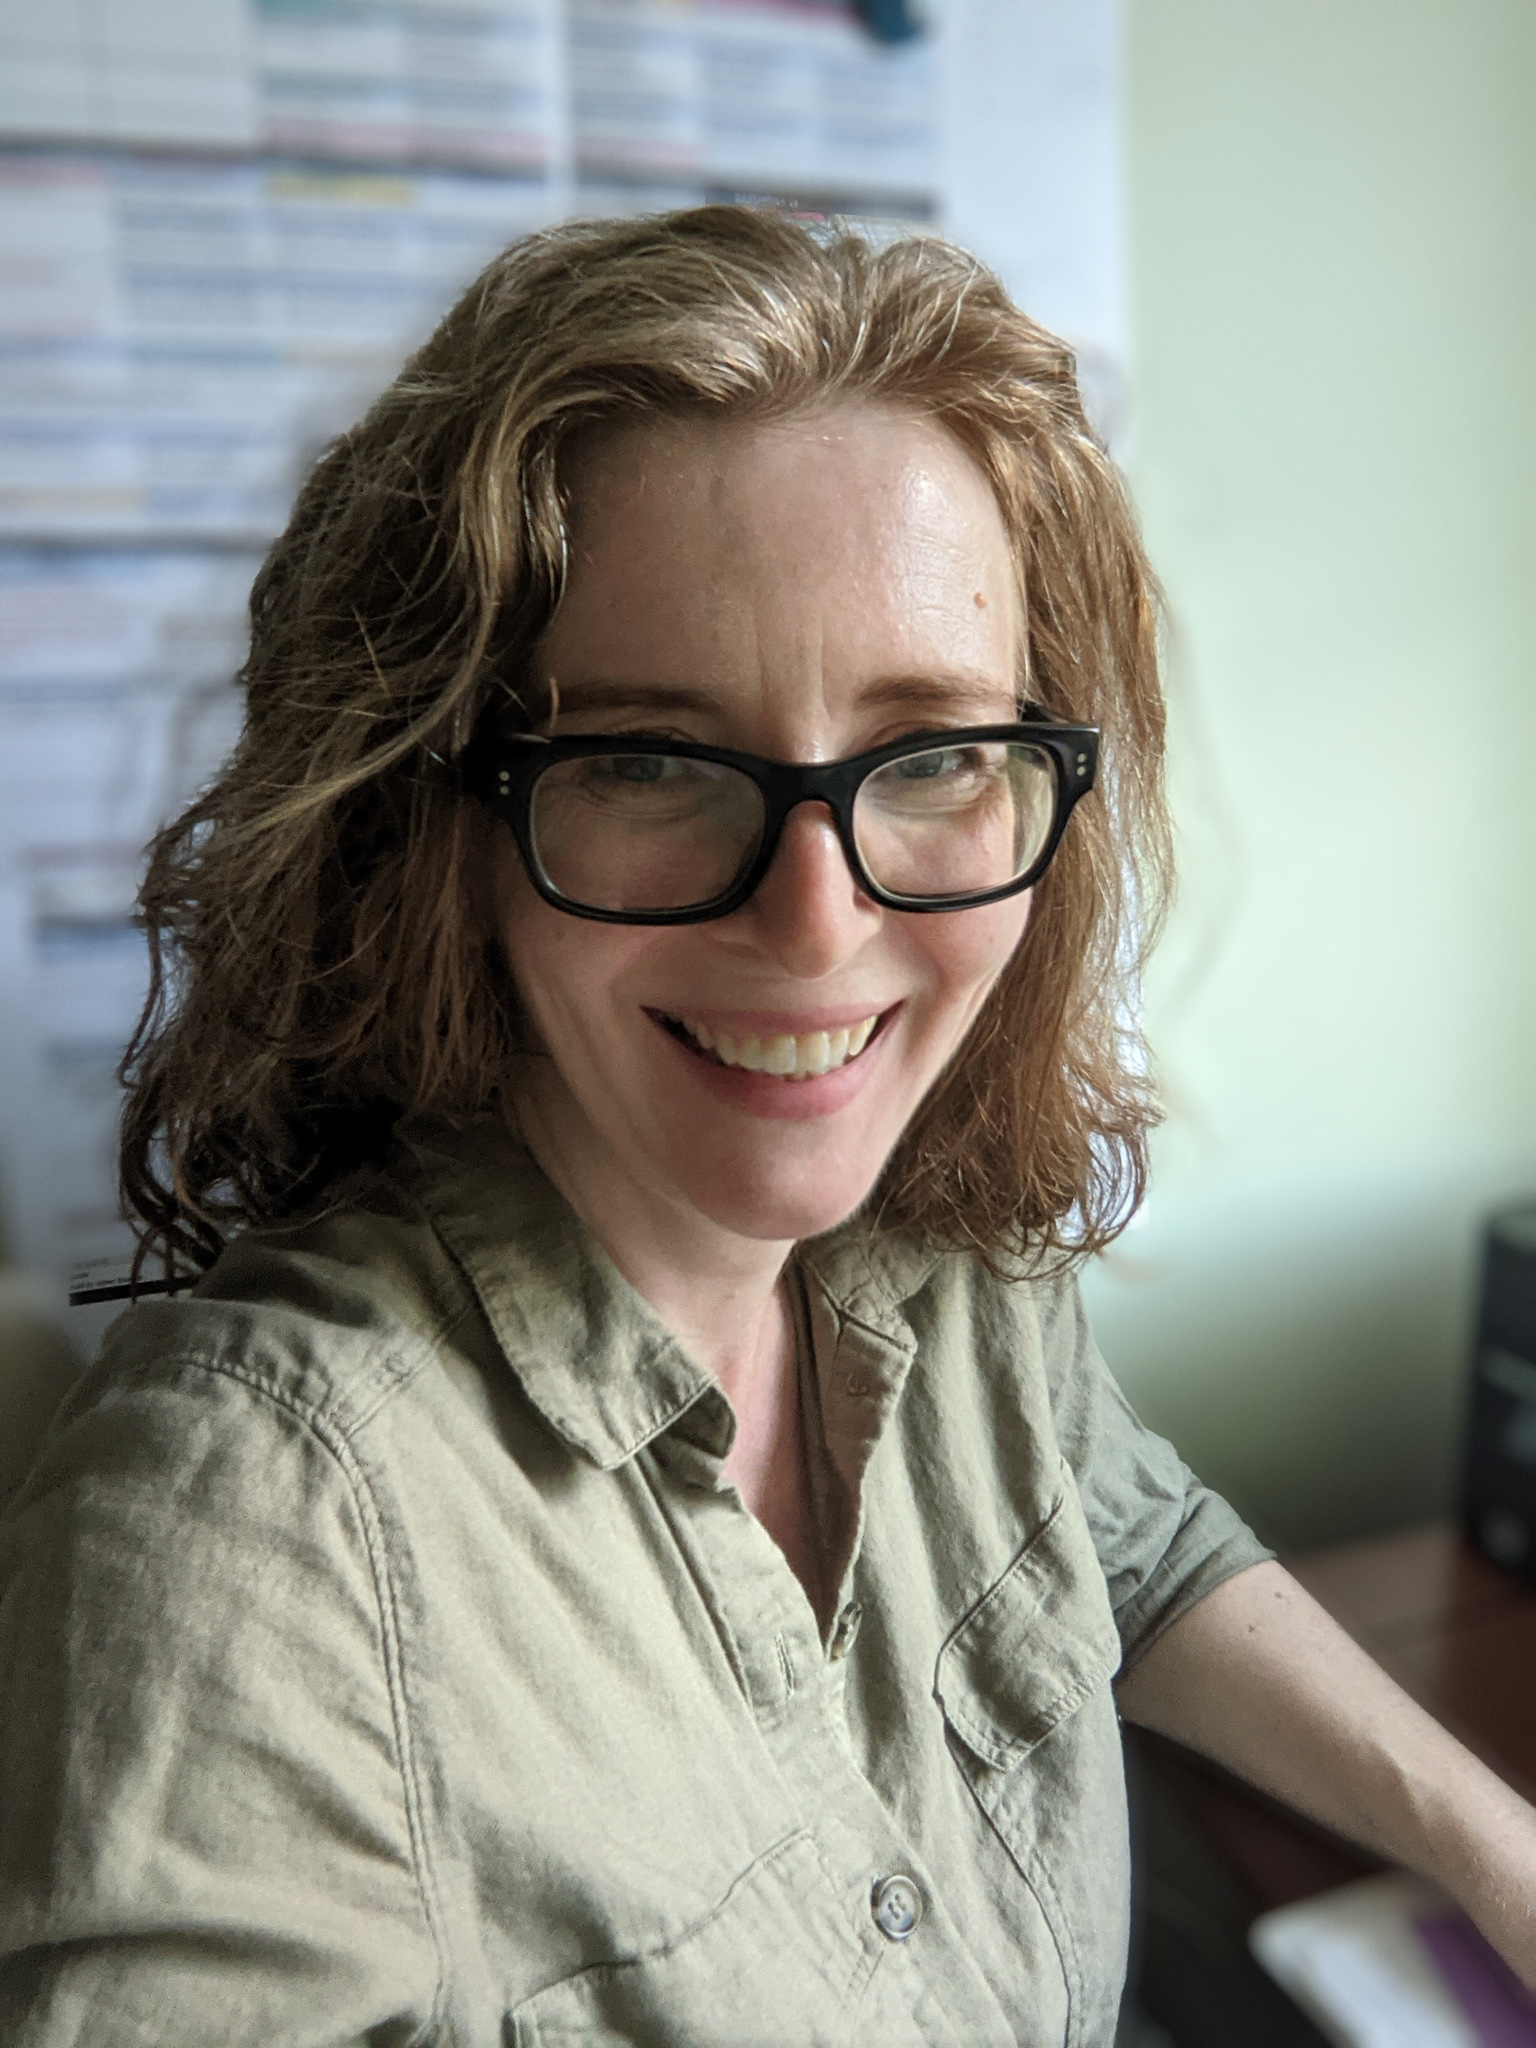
x,y
630,830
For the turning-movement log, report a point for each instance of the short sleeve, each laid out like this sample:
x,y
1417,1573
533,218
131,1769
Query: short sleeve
x,y
1163,1539
205,1825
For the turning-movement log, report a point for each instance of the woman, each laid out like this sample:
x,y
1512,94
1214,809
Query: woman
x,y
630,1539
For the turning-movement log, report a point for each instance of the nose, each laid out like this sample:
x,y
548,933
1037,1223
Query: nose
x,y
808,914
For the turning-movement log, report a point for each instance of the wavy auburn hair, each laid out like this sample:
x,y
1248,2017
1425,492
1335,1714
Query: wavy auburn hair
x,y
322,959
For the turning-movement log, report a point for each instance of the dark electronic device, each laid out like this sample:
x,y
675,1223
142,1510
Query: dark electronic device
x,y
1499,1491
892,21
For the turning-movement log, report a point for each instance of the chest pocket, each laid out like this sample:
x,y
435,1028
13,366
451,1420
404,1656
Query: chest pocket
x,y
1035,1645
776,1961
1023,1682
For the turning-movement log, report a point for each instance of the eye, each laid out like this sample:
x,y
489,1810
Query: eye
x,y
938,762
651,762
636,768
637,785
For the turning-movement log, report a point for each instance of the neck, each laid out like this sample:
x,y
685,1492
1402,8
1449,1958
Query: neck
x,y
717,1292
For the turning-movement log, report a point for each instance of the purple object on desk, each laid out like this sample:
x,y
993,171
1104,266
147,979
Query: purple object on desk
x,y
1486,1989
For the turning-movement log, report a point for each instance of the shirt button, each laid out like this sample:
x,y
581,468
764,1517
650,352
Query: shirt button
x,y
897,1905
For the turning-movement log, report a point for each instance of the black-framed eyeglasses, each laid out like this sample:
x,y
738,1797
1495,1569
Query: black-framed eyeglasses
x,y
636,831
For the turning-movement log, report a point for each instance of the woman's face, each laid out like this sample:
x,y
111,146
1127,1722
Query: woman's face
x,y
804,591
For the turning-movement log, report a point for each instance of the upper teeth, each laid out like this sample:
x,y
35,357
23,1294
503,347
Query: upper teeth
x,y
795,1059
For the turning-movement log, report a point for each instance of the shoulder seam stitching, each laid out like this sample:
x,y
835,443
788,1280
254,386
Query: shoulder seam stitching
x,y
334,1442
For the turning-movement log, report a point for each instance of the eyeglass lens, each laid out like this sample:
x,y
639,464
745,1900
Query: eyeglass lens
x,y
655,831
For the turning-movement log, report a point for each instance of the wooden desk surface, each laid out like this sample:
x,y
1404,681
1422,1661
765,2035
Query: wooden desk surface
x,y
1452,1629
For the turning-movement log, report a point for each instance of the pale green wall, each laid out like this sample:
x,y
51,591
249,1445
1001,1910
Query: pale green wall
x,y
1334,434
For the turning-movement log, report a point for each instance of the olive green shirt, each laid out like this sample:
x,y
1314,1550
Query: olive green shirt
x,y
383,1659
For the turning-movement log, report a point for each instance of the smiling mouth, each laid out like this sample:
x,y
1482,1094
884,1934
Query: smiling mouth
x,y
785,1056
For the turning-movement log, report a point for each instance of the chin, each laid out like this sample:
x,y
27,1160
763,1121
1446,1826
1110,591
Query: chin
x,y
782,1209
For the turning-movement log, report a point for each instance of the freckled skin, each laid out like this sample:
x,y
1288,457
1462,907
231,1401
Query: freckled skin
x,y
821,586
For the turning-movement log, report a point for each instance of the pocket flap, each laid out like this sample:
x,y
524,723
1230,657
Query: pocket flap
x,y
1035,1645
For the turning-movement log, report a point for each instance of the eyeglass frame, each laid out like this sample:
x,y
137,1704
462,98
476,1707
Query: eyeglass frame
x,y
503,771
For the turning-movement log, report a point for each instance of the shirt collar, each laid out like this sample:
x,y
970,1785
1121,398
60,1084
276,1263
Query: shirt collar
x,y
589,1352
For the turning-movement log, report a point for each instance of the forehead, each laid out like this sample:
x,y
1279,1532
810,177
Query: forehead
x,y
846,541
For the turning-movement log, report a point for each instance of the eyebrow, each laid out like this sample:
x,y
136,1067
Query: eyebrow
x,y
919,690
604,696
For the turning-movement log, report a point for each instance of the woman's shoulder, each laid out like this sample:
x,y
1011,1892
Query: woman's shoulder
x,y
196,1612
329,1312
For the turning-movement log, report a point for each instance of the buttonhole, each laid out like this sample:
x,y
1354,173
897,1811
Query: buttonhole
x,y
786,1665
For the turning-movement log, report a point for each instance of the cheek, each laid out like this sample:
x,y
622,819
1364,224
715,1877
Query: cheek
x,y
555,959
974,946
520,927
577,978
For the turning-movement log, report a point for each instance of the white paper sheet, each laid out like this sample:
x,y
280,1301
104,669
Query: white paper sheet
x,y
800,99
115,706
159,71
452,81
1031,178
1350,1958
787,97
636,81
182,339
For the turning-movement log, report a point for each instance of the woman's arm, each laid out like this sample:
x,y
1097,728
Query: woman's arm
x,y
1258,1677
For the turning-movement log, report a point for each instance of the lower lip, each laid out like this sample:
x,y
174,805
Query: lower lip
x,y
766,1095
